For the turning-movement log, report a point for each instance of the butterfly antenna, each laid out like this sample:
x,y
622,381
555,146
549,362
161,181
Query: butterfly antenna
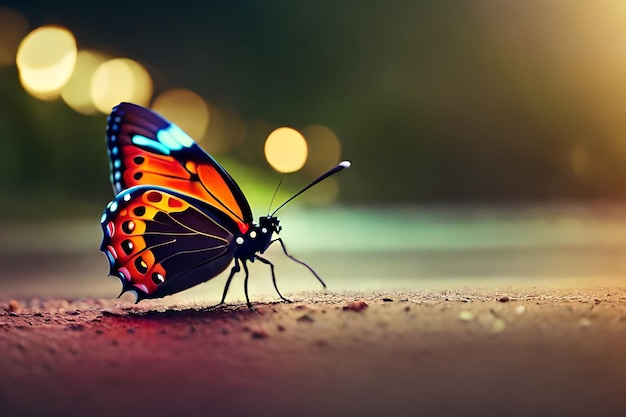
x,y
340,166
282,177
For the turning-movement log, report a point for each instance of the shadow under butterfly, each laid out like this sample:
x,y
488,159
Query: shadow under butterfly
x,y
178,218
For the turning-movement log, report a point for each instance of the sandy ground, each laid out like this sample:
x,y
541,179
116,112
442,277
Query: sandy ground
x,y
470,353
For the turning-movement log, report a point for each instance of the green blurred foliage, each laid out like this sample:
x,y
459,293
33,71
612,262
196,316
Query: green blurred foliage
x,y
433,101
52,159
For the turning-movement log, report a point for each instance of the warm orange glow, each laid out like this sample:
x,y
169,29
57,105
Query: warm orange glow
x,y
77,92
324,149
286,150
45,60
13,27
579,51
118,80
186,109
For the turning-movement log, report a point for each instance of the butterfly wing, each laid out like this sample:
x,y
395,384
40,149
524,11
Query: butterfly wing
x,y
146,149
160,242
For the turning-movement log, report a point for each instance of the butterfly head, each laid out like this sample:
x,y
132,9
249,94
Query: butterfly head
x,y
271,224
257,238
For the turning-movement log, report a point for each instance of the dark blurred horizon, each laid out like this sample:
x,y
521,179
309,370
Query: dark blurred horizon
x,y
433,101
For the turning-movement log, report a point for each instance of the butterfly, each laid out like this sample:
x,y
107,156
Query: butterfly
x,y
178,218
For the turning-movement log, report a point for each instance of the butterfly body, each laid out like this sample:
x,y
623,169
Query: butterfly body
x,y
178,218
257,239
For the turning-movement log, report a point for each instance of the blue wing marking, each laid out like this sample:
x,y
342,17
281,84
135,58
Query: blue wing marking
x,y
174,138
145,142
171,138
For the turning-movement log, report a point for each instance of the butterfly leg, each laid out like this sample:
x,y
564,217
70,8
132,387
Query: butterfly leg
x,y
279,240
245,284
233,271
267,262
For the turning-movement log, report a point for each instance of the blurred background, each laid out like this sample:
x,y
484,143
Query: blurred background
x,y
488,139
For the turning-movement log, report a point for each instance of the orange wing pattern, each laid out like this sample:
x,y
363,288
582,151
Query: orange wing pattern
x,y
146,149
160,242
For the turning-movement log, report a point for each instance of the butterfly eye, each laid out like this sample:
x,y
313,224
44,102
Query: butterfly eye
x,y
128,226
157,278
127,247
139,211
141,266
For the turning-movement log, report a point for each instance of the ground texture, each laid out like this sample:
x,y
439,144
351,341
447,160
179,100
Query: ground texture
x,y
470,352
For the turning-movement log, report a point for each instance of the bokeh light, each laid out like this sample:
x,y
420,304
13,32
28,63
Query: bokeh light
x,y
13,27
324,149
186,109
118,80
45,60
77,91
286,150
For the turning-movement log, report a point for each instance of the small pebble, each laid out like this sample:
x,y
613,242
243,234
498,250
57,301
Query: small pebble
x,y
504,299
280,328
306,319
259,334
14,307
77,327
388,300
355,306
466,315
498,326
